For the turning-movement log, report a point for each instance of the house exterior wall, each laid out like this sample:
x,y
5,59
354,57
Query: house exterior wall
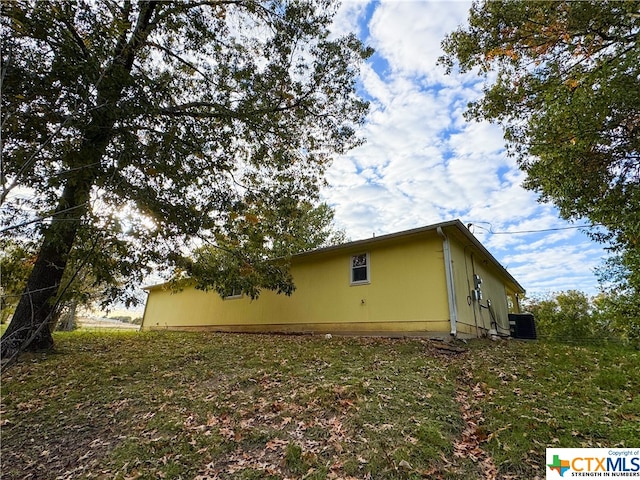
x,y
474,317
406,294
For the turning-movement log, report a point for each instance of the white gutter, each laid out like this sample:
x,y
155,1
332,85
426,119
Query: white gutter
x,y
146,304
448,271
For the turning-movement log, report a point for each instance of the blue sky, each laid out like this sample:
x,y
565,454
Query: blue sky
x,y
423,163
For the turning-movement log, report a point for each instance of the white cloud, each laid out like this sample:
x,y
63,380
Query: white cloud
x,y
348,17
423,163
408,34
554,268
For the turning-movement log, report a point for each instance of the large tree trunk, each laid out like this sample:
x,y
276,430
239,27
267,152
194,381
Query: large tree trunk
x,y
30,327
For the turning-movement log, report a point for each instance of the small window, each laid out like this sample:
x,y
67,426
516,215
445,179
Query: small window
x,y
235,293
360,268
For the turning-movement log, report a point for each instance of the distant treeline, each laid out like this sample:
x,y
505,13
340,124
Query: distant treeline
x,y
575,317
128,319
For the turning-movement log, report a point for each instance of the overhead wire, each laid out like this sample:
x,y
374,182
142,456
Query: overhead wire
x,y
542,230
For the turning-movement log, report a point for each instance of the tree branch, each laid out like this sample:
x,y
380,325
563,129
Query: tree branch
x,y
184,109
29,162
181,60
76,36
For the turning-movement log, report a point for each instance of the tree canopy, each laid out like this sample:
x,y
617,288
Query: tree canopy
x,y
228,271
563,79
16,260
572,316
134,130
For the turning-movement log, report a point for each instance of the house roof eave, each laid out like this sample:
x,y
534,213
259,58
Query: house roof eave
x,y
448,226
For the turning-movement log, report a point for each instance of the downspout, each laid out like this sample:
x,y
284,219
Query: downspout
x,y
144,314
448,272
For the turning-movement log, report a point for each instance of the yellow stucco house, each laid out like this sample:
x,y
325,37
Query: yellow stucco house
x,y
436,280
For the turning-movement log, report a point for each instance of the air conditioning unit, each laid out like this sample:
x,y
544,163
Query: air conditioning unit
x,y
522,325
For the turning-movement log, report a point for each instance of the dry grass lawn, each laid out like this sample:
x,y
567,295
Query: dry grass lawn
x,y
137,405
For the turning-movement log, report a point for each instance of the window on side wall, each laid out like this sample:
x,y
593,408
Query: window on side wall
x,y
233,294
360,272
